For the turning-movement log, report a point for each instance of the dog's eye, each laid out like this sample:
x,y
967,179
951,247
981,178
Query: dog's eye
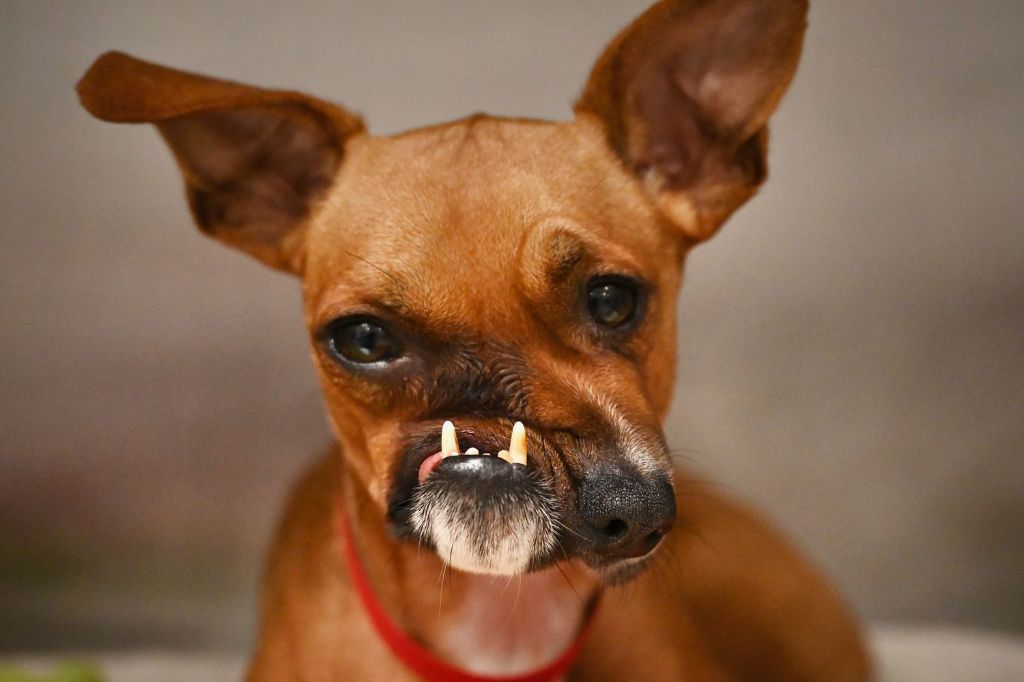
x,y
361,340
612,303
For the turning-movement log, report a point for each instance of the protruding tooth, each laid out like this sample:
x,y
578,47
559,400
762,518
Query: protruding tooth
x,y
449,443
517,444
505,455
472,451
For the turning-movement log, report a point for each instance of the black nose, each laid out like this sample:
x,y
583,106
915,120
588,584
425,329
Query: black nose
x,y
625,514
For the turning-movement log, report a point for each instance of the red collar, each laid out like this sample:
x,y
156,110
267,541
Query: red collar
x,y
421,660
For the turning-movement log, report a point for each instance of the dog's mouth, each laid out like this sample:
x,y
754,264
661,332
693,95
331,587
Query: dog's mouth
x,y
502,506
515,455
423,458
479,503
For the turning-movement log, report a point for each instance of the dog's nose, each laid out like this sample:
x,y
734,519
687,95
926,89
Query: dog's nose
x,y
624,514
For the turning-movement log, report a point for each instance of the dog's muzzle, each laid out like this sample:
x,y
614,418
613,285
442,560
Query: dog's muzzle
x,y
500,513
485,515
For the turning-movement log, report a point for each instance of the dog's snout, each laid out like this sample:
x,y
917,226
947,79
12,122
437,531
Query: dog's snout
x,y
625,515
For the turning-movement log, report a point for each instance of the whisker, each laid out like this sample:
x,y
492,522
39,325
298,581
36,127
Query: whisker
x,y
440,592
375,266
519,590
571,586
562,526
507,583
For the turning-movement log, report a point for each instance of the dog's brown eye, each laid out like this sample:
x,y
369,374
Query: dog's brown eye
x,y
362,341
612,304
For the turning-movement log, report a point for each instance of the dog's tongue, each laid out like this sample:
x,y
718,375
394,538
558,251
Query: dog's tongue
x,y
429,464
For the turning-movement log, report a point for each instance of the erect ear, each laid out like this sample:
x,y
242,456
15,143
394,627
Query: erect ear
x,y
254,160
684,95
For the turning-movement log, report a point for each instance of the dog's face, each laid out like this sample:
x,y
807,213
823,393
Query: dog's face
x,y
490,271
516,273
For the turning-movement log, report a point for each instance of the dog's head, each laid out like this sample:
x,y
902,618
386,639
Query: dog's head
x,y
490,270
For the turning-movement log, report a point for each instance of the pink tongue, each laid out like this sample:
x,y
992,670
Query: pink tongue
x,y
429,464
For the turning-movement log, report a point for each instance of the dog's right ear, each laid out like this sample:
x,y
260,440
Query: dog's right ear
x,y
684,95
254,160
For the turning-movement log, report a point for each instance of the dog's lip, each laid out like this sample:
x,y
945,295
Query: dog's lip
x,y
482,441
616,571
412,461
431,463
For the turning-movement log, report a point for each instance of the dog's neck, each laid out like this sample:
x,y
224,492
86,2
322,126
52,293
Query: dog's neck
x,y
492,625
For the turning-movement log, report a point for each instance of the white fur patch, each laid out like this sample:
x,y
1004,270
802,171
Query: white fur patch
x,y
500,536
505,627
632,444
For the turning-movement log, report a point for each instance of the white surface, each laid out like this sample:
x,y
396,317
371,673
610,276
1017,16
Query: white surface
x,y
904,654
914,654
150,666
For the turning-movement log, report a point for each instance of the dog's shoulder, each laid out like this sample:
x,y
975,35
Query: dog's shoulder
x,y
304,584
763,605
306,530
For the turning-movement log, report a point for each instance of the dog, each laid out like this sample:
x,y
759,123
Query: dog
x,y
490,304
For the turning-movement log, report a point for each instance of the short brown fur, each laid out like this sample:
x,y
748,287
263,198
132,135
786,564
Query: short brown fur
x,y
473,237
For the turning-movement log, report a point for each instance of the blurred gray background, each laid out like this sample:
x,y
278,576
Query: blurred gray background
x,y
852,344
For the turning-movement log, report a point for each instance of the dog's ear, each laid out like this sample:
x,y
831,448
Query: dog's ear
x,y
684,95
254,160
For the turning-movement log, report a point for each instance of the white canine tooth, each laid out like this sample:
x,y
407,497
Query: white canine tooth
x,y
472,451
517,444
505,455
449,443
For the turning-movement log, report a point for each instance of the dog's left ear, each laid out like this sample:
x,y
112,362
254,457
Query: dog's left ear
x,y
684,95
254,161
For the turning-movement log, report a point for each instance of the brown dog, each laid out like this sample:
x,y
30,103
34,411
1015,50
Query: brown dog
x,y
490,271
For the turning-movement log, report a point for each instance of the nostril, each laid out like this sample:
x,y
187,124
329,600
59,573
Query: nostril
x,y
615,529
622,514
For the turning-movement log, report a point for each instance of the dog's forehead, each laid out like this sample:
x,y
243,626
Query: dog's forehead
x,y
452,208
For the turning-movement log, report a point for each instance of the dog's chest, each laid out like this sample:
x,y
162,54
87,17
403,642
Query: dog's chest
x,y
504,626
